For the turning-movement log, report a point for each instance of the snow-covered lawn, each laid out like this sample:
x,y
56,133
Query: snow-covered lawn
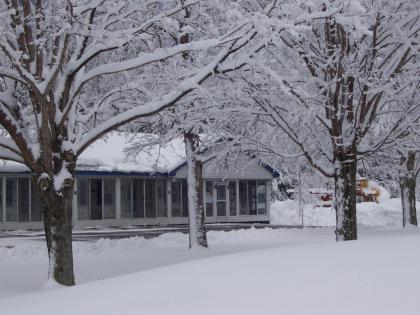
x,y
284,271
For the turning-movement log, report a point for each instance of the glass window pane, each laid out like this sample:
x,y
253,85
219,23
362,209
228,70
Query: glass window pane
x,y
243,198
221,199
232,198
11,199
82,198
252,197
176,197
221,191
184,198
36,206
161,198
261,198
138,198
109,198
95,199
23,201
126,198
150,198
221,208
209,198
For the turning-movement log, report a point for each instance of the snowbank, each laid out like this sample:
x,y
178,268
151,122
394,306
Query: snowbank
x,y
387,213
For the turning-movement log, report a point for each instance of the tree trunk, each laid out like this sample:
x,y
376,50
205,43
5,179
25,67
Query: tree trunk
x,y
408,189
57,216
198,235
345,198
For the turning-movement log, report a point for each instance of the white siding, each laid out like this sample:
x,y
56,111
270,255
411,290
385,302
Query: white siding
x,y
242,168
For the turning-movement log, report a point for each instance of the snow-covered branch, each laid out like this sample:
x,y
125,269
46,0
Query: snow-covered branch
x,y
147,58
153,106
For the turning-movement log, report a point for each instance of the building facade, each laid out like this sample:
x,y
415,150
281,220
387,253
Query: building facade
x,y
111,197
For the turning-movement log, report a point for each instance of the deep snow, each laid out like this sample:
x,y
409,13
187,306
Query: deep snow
x,y
285,271
267,271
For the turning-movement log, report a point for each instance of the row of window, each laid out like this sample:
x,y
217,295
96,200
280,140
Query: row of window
x,y
139,198
143,198
20,204
147,198
251,195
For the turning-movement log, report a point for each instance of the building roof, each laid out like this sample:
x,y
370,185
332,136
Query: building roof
x,y
108,156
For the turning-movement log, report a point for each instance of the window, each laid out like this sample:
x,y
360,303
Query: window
x,y
176,198
179,198
23,199
150,198
261,198
252,197
161,198
126,190
83,198
184,186
138,198
209,198
17,199
95,199
138,195
109,198
19,207
232,198
243,198
221,199
11,199
36,210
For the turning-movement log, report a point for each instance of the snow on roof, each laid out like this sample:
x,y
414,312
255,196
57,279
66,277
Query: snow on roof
x,y
107,155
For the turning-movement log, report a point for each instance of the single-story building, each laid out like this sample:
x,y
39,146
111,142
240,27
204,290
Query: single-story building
x,y
148,189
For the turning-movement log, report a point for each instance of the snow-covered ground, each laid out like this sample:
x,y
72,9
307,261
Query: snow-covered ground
x,y
387,213
283,271
267,271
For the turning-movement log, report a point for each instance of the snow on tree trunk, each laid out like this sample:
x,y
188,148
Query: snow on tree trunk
x,y
198,235
408,189
345,199
57,216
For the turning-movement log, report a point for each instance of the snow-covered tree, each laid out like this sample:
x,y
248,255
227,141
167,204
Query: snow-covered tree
x,y
71,71
196,112
397,161
330,79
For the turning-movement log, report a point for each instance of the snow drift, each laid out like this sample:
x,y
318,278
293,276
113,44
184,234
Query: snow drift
x,y
387,213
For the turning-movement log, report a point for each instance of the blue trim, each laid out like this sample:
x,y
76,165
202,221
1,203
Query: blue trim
x,y
119,173
172,173
176,169
100,173
273,172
